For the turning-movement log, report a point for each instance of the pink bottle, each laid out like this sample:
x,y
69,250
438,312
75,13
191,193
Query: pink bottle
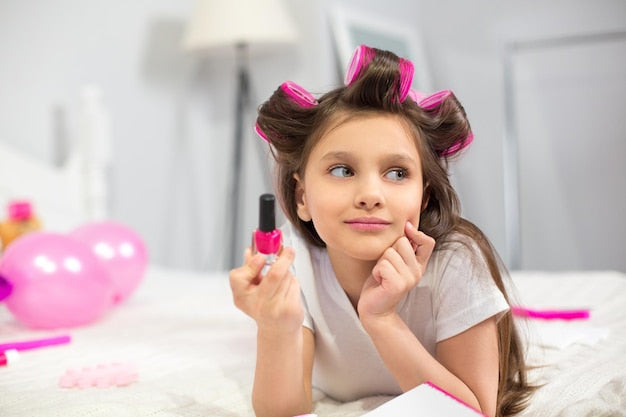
x,y
267,239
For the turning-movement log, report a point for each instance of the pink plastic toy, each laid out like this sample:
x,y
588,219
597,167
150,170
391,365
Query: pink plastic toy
x,y
121,251
20,210
101,376
55,281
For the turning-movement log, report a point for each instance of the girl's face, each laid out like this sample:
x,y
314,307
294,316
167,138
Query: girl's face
x,y
362,182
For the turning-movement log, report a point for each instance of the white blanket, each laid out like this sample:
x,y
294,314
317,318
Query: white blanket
x,y
195,353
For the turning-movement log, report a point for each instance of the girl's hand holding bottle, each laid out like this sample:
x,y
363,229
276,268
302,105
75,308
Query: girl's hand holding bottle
x,y
398,270
272,300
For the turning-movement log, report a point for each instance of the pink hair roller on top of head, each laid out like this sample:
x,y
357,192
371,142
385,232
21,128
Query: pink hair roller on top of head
x,y
406,78
361,58
298,94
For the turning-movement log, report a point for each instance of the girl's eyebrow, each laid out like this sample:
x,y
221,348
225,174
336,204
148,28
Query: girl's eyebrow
x,y
399,158
341,155
391,158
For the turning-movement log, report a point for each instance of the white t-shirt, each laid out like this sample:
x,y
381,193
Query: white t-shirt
x,y
456,293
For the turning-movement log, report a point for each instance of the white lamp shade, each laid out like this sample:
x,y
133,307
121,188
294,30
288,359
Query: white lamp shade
x,y
221,24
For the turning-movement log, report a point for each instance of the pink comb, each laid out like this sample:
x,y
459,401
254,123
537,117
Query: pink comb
x,y
102,376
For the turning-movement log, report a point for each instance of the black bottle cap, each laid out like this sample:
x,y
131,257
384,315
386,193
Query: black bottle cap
x,y
267,213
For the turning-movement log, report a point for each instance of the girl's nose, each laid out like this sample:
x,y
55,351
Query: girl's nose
x,y
369,194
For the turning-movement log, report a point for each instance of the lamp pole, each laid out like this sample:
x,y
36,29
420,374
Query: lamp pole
x,y
242,100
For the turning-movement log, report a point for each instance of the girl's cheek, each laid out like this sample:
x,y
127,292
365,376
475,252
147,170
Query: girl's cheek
x,y
415,221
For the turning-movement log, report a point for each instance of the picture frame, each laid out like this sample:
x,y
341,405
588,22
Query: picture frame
x,y
352,27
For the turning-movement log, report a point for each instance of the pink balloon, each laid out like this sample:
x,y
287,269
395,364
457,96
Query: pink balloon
x,y
56,281
122,252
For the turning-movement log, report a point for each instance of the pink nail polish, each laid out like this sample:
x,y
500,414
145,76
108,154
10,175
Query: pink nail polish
x,y
267,239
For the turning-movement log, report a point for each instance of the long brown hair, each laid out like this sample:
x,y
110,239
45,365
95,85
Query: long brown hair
x,y
293,130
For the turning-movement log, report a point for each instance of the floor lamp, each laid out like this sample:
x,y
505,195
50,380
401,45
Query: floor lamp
x,y
249,27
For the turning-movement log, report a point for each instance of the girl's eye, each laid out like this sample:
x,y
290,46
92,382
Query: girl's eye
x,y
396,174
341,171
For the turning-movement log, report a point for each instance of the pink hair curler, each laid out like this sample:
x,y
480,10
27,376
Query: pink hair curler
x,y
260,132
406,78
434,99
430,102
361,58
415,95
298,94
458,146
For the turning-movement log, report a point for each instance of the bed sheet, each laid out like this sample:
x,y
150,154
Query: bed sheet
x,y
586,378
195,352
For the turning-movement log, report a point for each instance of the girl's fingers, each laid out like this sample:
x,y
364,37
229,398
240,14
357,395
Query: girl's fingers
x,y
405,248
278,273
422,243
398,255
247,255
241,278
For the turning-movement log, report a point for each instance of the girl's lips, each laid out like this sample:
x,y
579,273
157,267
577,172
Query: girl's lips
x,y
368,224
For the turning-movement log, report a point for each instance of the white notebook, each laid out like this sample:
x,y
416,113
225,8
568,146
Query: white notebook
x,y
425,400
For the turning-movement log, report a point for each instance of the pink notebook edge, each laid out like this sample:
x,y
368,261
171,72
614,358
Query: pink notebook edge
x,y
454,397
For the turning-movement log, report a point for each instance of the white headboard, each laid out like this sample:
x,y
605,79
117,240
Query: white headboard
x,y
63,197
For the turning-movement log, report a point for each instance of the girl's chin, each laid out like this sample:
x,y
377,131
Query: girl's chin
x,y
364,249
368,255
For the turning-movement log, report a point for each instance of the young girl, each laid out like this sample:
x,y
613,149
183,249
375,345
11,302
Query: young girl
x,y
381,285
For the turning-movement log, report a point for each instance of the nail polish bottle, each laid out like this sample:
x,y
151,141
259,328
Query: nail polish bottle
x,y
267,238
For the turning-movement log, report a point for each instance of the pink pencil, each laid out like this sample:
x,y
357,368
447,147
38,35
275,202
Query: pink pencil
x,y
551,314
35,343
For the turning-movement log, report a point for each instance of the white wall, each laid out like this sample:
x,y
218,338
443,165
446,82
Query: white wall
x,y
465,43
172,114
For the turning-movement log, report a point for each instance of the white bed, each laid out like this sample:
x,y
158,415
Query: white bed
x,y
195,352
